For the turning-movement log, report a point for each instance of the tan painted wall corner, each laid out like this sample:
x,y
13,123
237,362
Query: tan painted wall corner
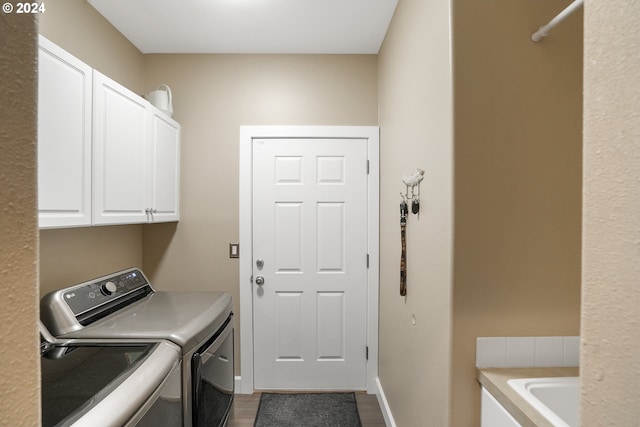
x,y
610,355
416,131
20,372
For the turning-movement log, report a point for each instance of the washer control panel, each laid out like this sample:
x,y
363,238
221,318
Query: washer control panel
x,y
98,292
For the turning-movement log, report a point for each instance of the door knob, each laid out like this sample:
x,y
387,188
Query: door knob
x,y
259,280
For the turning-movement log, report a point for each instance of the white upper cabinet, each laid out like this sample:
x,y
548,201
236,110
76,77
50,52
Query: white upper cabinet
x,y
105,155
165,168
120,148
64,138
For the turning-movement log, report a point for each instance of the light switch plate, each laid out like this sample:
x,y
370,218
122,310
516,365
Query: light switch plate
x,y
234,250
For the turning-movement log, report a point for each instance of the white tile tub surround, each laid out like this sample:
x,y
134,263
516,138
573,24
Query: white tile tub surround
x,y
571,351
549,352
527,352
491,352
520,352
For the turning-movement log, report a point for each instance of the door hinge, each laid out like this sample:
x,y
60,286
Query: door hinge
x,y
367,352
367,260
367,167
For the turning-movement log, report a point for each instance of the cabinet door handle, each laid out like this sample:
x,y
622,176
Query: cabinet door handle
x,y
150,212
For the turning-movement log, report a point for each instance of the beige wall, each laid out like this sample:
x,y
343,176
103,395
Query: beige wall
x,y
213,96
415,91
518,121
74,255
610,345
71,256
20,372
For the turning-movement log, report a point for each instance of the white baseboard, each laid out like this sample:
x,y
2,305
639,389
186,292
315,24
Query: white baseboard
x,y
384,405
238,384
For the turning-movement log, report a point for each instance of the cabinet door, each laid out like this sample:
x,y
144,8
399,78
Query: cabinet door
x,y
165,167
120,167
493,414
64,138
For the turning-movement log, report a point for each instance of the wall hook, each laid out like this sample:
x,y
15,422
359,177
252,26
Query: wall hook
x,y
412,193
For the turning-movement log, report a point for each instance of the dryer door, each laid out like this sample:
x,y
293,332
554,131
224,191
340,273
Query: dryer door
x,y
213,378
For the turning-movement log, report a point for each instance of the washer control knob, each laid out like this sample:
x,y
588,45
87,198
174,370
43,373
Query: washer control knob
x,y
108,288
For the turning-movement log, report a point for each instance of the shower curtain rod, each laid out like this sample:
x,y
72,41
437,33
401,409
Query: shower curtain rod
x,y
544,30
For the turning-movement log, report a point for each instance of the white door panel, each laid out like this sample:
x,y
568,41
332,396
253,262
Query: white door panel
x,y
310,228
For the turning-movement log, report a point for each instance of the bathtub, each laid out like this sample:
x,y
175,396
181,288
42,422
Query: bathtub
x,y
557,399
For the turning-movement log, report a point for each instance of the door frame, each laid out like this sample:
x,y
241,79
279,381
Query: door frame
x,y
244,384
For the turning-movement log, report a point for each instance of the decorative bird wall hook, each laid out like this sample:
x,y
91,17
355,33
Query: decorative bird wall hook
x,y
411,182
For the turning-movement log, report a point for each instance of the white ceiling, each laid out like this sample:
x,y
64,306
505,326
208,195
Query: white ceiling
x,y
250,26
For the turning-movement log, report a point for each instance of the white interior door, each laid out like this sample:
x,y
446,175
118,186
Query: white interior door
x,y
310,254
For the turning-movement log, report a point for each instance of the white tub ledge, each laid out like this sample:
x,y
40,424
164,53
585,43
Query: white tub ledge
x,y
535,397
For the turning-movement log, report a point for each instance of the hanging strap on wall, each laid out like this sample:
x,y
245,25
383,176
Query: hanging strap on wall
x,y
403,255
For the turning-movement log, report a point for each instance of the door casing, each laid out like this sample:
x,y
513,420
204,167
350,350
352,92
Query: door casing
x,y
247,133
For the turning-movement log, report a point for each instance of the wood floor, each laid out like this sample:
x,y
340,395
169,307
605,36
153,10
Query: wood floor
x,y
245,407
